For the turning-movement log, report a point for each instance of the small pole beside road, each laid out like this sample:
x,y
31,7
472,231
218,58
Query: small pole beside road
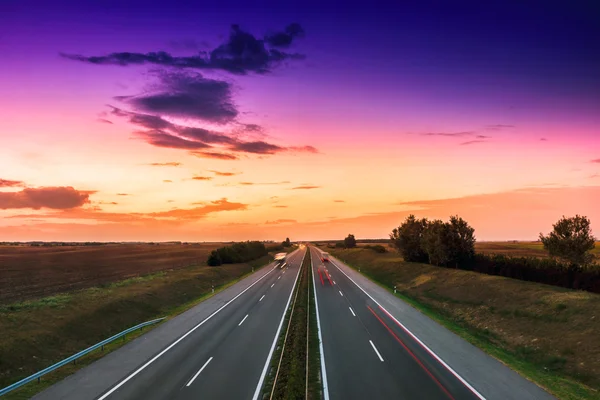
x,y
394,289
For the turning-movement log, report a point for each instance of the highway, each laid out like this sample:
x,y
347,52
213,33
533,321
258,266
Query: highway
x,y
222,356
374,346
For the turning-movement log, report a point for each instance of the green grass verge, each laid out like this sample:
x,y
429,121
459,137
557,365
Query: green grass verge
x,y
535,366
61,301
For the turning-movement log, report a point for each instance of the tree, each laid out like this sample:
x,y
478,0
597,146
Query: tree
x,y
461,238
214,259
436,242
571,241
350,241
407,239
286,242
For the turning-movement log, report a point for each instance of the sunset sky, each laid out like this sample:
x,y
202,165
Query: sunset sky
x,y
139,120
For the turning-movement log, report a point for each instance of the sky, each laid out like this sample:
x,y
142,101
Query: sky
x,y
157,121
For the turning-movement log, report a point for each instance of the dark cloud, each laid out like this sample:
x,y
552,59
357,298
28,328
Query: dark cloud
x,y
105,121
258,147
44,197
211,154
162,139
204,135
166,164
285,38
10,183
202,178
305,187
449,134
219,173
241,54
185,95
470,142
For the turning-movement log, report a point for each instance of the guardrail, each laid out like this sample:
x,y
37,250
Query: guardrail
x,y
74,357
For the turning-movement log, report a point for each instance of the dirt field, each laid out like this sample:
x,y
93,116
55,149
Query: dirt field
x,y
553,330
30,272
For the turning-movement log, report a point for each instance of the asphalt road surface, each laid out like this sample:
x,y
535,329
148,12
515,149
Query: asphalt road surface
x,y
370,353
222,356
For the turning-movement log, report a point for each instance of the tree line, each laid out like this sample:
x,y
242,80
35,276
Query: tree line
x,y
452,244
237,253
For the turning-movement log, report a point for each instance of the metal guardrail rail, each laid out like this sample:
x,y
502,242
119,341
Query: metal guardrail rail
x,y
74,357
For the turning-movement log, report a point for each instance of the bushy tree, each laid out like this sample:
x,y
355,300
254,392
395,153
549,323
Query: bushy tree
x,y
213,259
436,242
461,238
350,241
407,239
286,242
571,241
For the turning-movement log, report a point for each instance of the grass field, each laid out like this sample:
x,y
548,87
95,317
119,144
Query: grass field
x,y
39,332
548,334
28,272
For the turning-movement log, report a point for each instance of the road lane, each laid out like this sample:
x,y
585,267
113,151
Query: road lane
x,y
236,340
364,359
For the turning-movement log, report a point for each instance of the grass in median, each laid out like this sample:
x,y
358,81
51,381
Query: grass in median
x,y
39,333
291,379
548,334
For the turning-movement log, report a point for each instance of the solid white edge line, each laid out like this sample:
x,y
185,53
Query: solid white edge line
x,y
323,371
376,351
198,373
341,294
453,372
242,321
140,369
266,367
263,296
352,311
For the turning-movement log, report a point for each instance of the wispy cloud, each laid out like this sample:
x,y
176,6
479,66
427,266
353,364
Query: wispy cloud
x,y
105,121
470,142
202,178
597,160
214,155
498,127
281,221
280,206
221,173
543,139
123,194
166,164
263,183
305,187
449,134
10,183
44,197
339,201
167,181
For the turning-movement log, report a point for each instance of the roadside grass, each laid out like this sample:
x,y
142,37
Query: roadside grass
x,y
39,333
547,334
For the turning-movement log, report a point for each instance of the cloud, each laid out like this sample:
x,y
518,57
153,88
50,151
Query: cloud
x,y
263,183
482,137
105,121
285,38
543,139
594,176
281,221
10,183
219,173
215,155
305,149
280,206
339,201
498,127
161,139
202,178
241,54
470,142
166,164
305,187
44,197
258,147
449,134
186,95
123,194
597,160
167,181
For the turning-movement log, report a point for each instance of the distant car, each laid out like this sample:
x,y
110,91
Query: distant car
x,y
325,257
280,259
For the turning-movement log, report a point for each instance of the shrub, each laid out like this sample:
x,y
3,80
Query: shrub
x,y
376,248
